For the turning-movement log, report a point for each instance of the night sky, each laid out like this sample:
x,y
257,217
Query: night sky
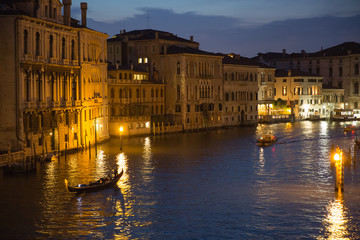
x,y
245,27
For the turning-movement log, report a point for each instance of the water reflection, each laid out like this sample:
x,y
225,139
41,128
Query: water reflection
x,y
336,221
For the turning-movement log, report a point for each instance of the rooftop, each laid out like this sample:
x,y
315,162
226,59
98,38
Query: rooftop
x,y
148,34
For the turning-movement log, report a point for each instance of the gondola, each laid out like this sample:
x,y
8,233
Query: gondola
x,y
95,186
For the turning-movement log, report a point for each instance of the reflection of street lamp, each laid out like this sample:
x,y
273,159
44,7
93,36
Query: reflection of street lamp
x,y
121,129
339,173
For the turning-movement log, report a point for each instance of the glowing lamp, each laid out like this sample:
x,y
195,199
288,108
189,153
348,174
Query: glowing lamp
x,y
337,157
121,129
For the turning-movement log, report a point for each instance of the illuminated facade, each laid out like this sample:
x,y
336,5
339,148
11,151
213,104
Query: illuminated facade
x,y
54,86
266,95
193,78
240,90
338,65
133,100
302,91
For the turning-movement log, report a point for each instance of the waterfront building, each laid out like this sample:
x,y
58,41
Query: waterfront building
x,y
266,77
338,65
53,86
193,78
333,98
134,101
240,90
302,91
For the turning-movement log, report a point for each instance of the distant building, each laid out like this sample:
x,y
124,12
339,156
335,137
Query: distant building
x,y
302,91
53,86
193,78
133,100
142,49
338,65
333,98
241,89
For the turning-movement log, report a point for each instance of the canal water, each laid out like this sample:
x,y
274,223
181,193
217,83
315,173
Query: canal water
x,y
204,185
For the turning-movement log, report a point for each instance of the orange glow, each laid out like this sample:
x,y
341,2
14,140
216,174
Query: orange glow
x,y
336,156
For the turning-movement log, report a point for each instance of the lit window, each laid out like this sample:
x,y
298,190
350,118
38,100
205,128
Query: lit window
x,y
140,60
145,60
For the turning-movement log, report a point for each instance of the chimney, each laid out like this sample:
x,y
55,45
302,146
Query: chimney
x,y
284,52
289,73
83,13
156,35
303,53
67,12
191,38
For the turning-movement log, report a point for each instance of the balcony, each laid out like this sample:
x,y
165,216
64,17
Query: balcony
x,y
65,61
75,62
39,59
28,57
53,60
29,105
76,103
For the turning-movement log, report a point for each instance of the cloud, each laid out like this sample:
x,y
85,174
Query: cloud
x,y
227,34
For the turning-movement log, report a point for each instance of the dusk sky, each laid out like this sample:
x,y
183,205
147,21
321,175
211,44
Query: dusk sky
x,y
245,27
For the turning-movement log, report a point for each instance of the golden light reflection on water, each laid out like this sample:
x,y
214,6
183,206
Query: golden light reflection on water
x,y
336,221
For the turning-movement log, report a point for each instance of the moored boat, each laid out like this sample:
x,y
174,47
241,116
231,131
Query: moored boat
x,y
266,140
349,128
97,185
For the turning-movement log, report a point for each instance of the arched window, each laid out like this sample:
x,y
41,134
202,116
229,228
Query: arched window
x,y
130,93
356,70
330,71
232,96
178,92
72,50
63,48
120,93
26,36
37,44
251,96
178,68
340,71
356,88
152,92
226,96
120,75
137,93
51,46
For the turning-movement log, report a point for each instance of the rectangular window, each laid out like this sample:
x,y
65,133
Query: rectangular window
x,y
284,91
188,108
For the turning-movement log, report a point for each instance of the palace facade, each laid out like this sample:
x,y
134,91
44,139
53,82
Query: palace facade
x,y
54,78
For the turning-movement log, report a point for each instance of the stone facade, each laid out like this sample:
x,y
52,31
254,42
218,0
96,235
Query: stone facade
x,y
338,65
134,101
241,90
54,90
302,91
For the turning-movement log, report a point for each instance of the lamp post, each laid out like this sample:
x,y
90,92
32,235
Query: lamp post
x,y
339,172
121,129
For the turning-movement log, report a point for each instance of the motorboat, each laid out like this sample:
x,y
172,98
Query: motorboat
x,y
349,128
266,140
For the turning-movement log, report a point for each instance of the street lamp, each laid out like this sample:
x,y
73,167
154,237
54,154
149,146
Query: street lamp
x,y
121,129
